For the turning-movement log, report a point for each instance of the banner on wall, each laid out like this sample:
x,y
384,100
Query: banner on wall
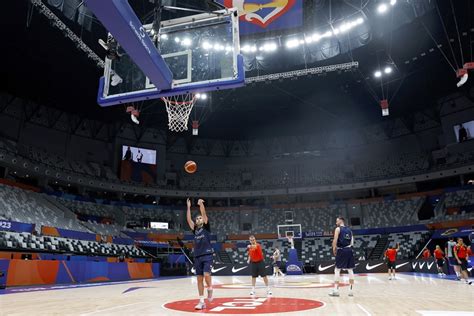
x,y
16,226
453,232
313,234
372,266
235,269
36,272
264,15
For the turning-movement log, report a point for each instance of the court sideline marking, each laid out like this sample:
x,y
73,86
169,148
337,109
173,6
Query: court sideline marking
x,y
112,308
364,310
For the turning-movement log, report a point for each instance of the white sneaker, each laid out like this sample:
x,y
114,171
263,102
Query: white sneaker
x,y
209,295
390,278
351,294
200,305
334,293
252,293
269,292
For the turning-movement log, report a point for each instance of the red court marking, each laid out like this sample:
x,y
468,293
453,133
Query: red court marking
x,y
247,305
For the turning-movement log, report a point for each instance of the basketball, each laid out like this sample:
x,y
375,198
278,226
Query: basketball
x,y
190,166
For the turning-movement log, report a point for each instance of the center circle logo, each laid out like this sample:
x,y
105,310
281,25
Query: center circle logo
x,y
247,305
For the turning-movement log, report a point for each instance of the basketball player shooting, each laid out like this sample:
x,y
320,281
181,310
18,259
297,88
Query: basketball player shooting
x,y
203,251
257,264
342,249
391,256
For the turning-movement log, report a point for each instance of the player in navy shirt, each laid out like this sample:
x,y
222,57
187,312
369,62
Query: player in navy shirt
x,y
342,249
203,251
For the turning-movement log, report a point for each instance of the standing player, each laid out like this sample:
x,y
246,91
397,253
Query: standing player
x,y
439,256
460,252
426,254
257,264
277,263
342,249
203,251
451,259
391,255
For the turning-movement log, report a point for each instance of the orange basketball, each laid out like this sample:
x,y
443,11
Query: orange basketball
x,y
190,166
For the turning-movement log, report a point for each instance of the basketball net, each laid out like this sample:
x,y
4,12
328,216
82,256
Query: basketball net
x,y
179,107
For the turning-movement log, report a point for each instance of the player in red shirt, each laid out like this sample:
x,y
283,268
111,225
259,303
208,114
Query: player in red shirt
x,y
257,264
439,256
460,253
391,256
426,254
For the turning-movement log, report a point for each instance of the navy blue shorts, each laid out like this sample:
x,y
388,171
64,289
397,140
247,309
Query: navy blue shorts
x,y
277,264
453,261
345,258
203,264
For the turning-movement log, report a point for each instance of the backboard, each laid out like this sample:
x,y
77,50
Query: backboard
x,y
289,230
202,51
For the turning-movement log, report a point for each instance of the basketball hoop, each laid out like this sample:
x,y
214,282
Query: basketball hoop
x,y
179,107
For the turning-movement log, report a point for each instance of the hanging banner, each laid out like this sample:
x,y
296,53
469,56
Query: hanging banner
x,y
265,15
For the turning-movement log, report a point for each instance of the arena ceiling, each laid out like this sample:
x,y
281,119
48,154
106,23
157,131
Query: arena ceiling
x,y
40,64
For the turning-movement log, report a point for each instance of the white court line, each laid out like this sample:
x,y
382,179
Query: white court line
x,y
111,308
364,310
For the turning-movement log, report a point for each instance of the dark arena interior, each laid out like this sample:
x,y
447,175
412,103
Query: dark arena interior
x,y
260,157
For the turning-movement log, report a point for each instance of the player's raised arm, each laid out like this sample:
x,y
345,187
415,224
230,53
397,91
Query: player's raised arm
x,y
188,214
334,241
202,208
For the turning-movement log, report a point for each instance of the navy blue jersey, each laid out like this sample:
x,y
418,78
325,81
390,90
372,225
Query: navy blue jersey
x,y
202,240
345,237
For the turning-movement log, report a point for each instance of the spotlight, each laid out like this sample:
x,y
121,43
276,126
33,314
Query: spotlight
x,y
393,2
360,20
164,36
206,45
177,39
382,8
201,96
186,42
378,74
269,47
388,70
293,43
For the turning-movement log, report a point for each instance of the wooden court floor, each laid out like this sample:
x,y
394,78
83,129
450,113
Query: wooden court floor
x,y
410,294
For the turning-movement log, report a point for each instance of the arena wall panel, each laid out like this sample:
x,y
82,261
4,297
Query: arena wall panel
x,y
36,272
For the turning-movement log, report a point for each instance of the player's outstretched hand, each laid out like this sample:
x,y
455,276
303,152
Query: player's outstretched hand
x,y
200,202
188,202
